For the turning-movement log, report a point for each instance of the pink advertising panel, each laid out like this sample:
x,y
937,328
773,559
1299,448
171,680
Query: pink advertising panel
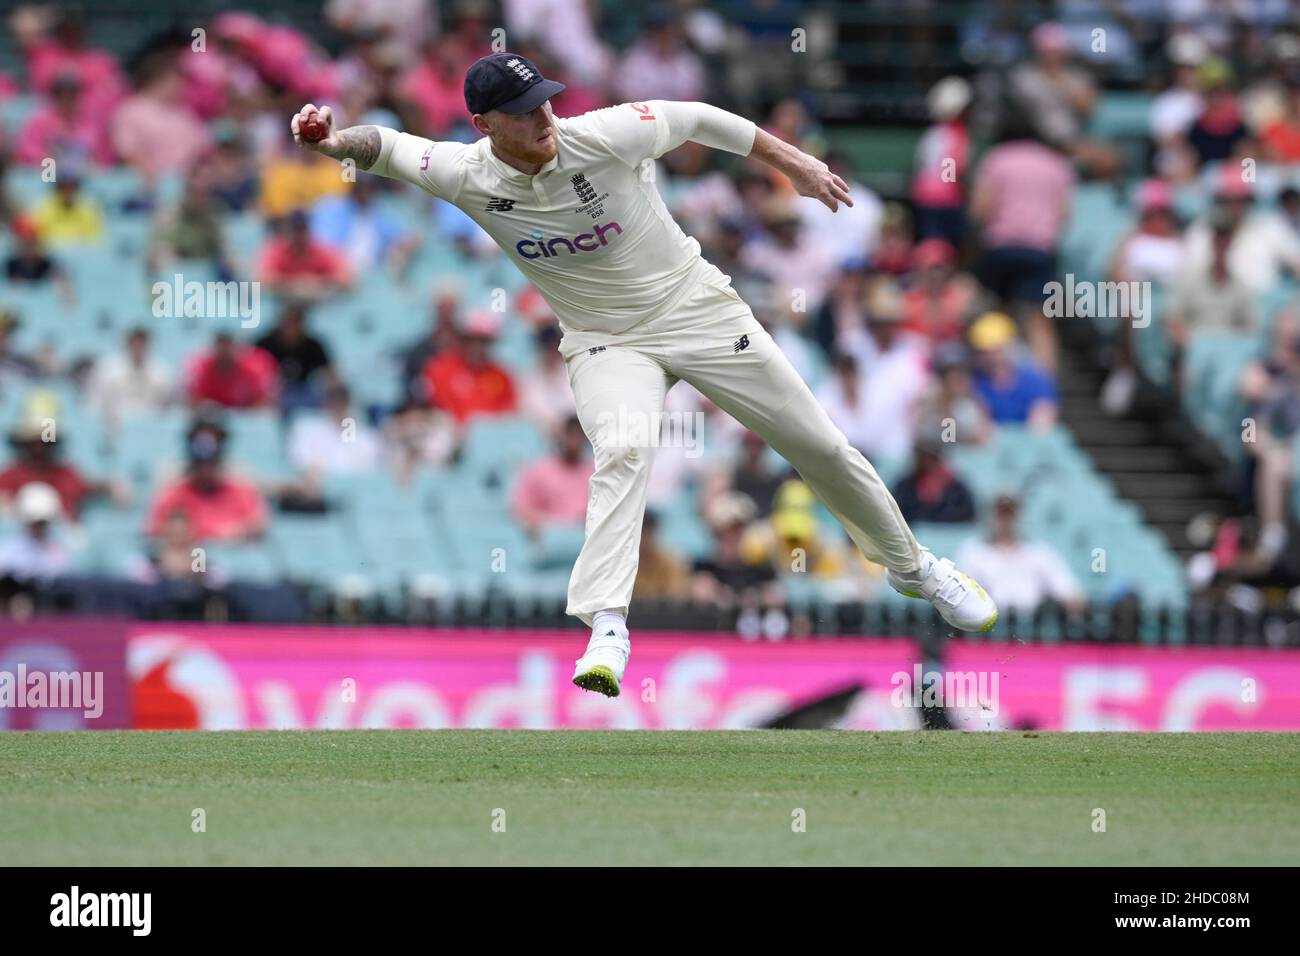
x,y
63,674
227,677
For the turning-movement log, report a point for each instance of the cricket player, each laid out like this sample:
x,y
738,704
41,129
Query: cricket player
x,y
572,201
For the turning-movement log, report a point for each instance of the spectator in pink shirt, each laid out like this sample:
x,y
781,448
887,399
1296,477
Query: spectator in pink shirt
x,y
235,36
472,24
219,80
65,128
938,186
577,98
660,66
434,88
1021,201
152,131
284,58
56,46
554,489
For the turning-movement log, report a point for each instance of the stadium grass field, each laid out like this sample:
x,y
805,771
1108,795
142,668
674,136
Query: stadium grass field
x,y
428,797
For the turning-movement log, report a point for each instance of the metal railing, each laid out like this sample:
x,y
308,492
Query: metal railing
x,y
1206,623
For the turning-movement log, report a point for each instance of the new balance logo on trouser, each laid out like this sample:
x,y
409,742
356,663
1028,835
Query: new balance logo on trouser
x,y
759,387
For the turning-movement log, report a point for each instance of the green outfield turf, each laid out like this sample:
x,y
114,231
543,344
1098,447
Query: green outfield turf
x,y
431,797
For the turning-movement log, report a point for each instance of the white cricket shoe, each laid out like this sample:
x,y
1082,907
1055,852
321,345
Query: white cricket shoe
x,y
601,668
957,597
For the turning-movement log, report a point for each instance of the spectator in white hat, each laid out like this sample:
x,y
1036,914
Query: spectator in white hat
x,y
33,553
1174,110
1020,574
942,155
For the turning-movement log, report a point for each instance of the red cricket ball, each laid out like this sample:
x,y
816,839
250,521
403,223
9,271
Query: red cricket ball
x,y
313,129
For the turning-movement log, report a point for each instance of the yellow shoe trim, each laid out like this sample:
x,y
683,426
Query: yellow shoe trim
x,y
599,679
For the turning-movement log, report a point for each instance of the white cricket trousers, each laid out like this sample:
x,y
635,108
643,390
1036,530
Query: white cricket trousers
x,y
712,341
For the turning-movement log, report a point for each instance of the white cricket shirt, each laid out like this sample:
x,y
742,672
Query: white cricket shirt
x,y
590,229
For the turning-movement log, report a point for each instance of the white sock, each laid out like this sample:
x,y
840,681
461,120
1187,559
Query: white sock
x,y
604,621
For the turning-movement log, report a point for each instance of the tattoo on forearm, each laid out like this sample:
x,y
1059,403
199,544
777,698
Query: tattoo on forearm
x,y
360,143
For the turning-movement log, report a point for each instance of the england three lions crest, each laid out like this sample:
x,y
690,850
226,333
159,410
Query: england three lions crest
x,y
589,202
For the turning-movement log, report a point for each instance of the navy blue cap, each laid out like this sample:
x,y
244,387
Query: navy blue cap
x,y
507,82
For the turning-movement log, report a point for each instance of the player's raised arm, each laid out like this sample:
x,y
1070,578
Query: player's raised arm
x,y
710,126
313,129
375,149
808,174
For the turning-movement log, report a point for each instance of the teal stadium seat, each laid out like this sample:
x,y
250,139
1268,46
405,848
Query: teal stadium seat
x,y
557,548
501,444
550,585
144,446
398,552
256,445
116,536
313,548
486,542
682,529
113,187
254,563
1066,504
15,111
1122,115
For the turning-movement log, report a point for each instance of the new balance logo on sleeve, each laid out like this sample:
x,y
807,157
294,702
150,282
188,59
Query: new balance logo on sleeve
x,y
742,343
496,204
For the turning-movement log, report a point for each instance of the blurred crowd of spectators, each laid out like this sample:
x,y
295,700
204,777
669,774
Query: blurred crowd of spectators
x,y
926,314
1223,131
1217,210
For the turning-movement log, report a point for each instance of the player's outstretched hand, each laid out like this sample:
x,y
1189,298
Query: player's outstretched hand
x,y
313,129
814,178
